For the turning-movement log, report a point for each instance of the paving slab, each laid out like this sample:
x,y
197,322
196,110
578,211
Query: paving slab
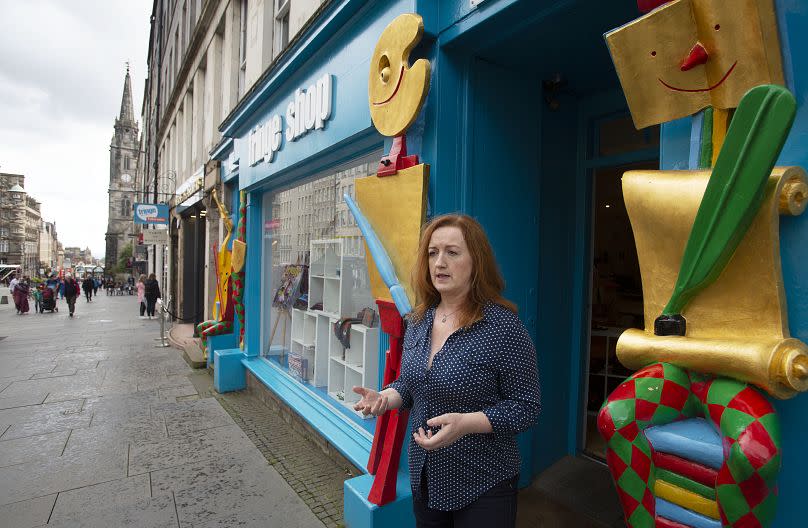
x,y
23,401
32,448
28,513
159,512
187,449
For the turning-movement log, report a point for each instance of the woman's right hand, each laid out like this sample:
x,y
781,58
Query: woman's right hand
x,y
371,402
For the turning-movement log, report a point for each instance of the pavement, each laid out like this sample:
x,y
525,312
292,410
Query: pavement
x,y
98,428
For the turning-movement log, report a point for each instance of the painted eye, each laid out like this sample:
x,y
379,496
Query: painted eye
x,y
384,69
653,53
717,27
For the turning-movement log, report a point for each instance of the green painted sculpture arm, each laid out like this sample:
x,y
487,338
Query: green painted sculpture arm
x,y
735,191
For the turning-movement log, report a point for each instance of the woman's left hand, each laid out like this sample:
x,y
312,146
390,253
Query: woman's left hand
x,y
452,428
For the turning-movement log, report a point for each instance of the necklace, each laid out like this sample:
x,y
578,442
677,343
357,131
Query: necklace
x,y
445,315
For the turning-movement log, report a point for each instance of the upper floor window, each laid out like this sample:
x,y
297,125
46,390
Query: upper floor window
x,y
242,49
4,246
126,207
3,232
281,25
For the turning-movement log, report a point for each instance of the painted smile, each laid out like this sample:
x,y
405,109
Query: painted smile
x,y
400,78
713,87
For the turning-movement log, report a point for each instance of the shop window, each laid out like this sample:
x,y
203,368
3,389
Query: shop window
x,y
317,276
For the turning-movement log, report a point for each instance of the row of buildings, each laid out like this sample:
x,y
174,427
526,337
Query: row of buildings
x,y
526,127
27,241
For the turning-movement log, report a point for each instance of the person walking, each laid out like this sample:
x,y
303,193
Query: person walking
x,y
151,291
141,295
96,284
469,374
87,285
37,295
71,291
12,287
21,292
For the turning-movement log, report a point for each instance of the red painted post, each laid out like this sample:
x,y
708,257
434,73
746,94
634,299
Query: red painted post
x,y
390,427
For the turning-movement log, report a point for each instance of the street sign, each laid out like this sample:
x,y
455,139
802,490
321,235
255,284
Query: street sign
x,y
155,236
146,213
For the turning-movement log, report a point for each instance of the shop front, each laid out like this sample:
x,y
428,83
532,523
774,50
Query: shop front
x,y
526,127
189,217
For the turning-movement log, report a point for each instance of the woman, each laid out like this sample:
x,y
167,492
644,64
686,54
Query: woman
x,y
469,375
151,290
71,290
141,292
21,292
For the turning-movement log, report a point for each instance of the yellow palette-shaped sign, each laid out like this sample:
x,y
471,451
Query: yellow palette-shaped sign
x,y
239,255
396,208
690,54
396,90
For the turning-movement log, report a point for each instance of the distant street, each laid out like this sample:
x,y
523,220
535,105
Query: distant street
x,y
98,428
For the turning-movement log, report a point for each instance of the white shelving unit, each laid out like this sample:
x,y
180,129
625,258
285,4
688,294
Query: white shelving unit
x,y
354,366
325,280
330,365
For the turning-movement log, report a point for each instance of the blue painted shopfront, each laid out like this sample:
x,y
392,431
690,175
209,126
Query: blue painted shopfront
x,y
520,162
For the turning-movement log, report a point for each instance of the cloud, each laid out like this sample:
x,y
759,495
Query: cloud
x,y
62,67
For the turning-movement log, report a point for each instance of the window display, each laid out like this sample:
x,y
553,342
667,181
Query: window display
x,y
321,326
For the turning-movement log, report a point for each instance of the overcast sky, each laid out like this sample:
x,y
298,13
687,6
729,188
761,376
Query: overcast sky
x,y
62,68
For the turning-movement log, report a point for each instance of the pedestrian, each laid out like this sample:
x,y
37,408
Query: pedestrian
x,y
469,375
71,290
12,287
87,285
141,295
96,284
37,294
62,289
21,292
151,291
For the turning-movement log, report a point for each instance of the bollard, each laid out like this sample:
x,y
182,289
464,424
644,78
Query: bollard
x,y
161,309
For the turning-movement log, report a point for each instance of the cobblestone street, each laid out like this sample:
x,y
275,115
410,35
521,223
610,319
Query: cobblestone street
x,y
102,429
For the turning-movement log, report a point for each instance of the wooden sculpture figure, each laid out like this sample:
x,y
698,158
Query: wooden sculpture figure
x,y
688,55
390,209
222,321
230,279
690,441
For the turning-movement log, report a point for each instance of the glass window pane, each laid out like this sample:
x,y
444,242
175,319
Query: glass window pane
x,y
316,275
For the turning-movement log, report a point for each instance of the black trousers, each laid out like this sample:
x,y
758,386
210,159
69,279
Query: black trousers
x,y
150,304
142,308
496,508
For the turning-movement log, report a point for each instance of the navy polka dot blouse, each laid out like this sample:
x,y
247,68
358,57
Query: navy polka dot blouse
x,y
489,367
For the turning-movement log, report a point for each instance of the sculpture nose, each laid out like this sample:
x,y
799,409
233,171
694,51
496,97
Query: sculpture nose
x,y
698,56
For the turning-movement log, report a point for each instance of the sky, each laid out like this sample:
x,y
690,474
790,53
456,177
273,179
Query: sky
x,y
62,69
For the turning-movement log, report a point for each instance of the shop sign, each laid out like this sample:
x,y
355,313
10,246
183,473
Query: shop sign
x,y
189,188
146,213
309,110
155,237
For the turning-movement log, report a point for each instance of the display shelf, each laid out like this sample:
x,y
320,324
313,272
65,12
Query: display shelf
x,y
354,366
325,278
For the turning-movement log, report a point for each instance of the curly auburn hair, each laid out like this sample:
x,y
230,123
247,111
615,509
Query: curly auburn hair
x,y
486,285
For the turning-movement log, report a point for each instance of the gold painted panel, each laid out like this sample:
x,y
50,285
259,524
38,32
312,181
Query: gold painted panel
x,y
396,208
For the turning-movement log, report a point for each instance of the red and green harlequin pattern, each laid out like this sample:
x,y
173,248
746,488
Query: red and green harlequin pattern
x,y
663,393
206,329
237,279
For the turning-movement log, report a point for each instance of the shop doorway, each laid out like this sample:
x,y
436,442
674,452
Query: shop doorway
x,y
616,292
193,266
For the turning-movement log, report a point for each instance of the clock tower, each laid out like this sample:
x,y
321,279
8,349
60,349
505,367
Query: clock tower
x,y
124,157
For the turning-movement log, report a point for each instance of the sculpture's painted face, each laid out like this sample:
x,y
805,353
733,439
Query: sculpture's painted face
x,y
690,54
396,91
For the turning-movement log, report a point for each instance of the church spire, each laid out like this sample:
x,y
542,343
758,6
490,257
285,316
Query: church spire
x,y
127,115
